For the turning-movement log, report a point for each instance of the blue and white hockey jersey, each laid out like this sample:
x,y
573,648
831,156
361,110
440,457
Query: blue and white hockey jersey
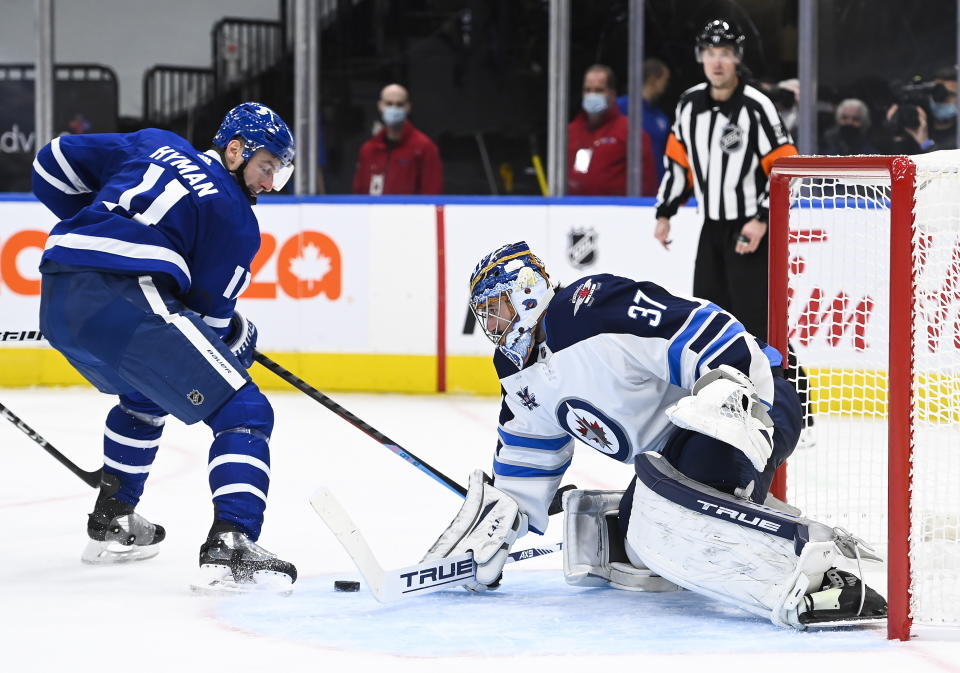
x,y
617,353
149,203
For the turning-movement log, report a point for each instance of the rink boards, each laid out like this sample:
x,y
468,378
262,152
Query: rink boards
x,y
355,293
362,294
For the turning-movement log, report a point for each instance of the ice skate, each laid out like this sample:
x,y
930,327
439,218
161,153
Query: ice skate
x,y
120,535
843,599
230,562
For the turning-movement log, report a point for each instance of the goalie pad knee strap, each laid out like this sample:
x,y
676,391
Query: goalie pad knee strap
x,y
592,556
759,559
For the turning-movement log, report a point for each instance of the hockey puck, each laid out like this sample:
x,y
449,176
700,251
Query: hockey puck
x,y
345,585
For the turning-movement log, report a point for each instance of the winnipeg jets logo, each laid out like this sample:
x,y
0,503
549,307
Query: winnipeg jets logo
x,y
582,420
583,295
527,398
592,432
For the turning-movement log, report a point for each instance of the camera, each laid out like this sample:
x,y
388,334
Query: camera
x,y
913,96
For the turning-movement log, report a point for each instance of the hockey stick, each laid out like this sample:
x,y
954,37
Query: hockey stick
x,y
93,479
358,423
426,468
416,580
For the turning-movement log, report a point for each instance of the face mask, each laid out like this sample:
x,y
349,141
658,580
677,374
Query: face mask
x,y
594,103
850,134
392,115
943,112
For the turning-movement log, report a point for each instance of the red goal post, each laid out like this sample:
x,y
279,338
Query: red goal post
x,y
865,288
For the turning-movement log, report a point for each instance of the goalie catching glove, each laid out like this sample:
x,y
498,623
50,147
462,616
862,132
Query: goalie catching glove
x,y
725,405
488,524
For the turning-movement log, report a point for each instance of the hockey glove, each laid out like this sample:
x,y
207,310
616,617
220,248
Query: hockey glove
x,y
725,405
488,524
242,339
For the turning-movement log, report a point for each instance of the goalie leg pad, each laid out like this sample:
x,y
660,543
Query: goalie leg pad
x,y
593,553
759,559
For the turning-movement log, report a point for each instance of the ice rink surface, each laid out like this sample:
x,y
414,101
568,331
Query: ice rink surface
x,y
57,614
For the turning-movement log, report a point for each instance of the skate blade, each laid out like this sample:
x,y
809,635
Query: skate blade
x,y
215,580
110,553
828,623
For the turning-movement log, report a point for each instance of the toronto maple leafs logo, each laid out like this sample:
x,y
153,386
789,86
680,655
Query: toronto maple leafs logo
x,y
527,398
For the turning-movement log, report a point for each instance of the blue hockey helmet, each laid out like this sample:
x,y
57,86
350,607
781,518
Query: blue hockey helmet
x,y
509,290
720,33
260,127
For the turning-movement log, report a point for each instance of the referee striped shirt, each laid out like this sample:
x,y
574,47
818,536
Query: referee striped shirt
x,y
722,152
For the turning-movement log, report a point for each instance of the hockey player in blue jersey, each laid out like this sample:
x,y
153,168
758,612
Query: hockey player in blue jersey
x,y
677,388
139,285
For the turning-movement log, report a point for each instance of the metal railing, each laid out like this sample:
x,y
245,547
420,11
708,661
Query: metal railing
x,y
245,48
171,91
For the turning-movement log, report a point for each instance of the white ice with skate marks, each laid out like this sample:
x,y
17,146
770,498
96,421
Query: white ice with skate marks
x,y
59,613
534,613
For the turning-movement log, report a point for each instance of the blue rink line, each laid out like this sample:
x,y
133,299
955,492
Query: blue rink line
x,y
534,613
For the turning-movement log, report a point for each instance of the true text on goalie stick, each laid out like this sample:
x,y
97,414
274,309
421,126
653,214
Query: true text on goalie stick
x,y
415,580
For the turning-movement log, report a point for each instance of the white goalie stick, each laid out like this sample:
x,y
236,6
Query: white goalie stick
x,y
416,580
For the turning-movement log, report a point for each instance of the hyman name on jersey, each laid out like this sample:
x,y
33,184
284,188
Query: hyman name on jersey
x,y
189,170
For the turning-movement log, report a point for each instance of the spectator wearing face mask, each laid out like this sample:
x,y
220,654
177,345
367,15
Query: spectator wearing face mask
x,y
850,134
943,109
398,159
597,142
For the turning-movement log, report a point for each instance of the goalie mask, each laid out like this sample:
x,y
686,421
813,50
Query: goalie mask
x,y
509,291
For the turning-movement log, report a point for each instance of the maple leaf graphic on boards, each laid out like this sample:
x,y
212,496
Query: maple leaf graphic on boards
x,y
310,266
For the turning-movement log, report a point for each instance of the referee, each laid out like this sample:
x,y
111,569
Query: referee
x,y
725,137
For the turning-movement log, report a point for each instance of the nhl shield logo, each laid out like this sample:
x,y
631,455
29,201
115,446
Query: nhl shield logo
x,y
582,247
731,138
195,397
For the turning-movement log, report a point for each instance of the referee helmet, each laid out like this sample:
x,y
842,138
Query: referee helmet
x,y
720,33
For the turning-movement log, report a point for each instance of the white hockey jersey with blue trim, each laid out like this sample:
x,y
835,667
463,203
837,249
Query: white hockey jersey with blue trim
x,y
617,353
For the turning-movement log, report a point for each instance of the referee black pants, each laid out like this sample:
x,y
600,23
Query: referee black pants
x,y
737,283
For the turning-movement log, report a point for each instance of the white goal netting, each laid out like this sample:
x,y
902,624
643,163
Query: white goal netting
x,y
839,294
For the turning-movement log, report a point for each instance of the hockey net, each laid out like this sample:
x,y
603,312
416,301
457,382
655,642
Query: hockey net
x,y
865,288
